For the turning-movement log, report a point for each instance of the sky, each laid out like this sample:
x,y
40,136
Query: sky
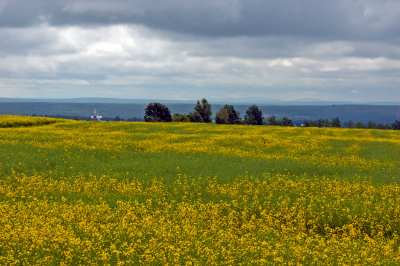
x,y
286,50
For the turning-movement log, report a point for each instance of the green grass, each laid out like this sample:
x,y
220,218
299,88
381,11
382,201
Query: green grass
x,y
131,162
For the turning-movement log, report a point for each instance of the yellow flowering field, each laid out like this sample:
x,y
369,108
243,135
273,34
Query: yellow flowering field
x,y
74,192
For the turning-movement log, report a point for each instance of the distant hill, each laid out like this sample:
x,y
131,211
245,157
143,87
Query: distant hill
x,y
236,101
135,111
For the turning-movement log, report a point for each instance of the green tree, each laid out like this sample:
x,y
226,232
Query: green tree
x,y
157,112
310,123
350,124
222,117
253,115
323,122
387,126
335,122
204,110
371,124
359,125
195,117
272,121
117,118
233,115
396,125
286,122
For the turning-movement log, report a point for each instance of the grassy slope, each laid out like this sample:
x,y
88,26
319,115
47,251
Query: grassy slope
x,y
326,173
125,150
145,151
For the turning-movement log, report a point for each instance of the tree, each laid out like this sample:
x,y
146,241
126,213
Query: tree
x,y
350,124
253,115
157,112
286,122
204,110
323,122
359,125
335,122
309,123
180,118
371,124
222,117
233,115
195,117
227,115
396,125
272,121
387,126
117,118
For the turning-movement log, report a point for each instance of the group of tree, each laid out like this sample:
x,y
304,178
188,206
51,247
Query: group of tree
x,y
373,125
228,115
335,122
285,121
202,113
157,112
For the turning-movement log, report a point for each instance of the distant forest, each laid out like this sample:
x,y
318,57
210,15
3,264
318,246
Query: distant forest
x,y
135,111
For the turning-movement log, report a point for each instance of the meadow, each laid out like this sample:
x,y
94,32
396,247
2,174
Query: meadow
x,y
75,192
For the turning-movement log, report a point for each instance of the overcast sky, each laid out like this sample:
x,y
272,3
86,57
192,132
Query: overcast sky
x,y
336,50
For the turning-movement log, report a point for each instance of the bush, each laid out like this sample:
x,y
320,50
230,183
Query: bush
x,y
195,117
180,118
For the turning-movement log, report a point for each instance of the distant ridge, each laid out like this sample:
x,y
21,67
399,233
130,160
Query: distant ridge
x,y
127,110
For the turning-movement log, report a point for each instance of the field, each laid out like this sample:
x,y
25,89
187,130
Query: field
x,y
74,192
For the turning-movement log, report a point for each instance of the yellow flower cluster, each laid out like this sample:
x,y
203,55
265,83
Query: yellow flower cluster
x,y
318,146
273,219
282,216
21,121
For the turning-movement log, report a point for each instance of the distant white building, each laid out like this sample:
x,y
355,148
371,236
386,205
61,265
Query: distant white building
x,y
96,117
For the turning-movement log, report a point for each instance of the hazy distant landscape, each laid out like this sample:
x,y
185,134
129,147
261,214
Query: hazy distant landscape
x,y
134,109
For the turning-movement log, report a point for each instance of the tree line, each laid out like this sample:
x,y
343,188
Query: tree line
x,y
202,113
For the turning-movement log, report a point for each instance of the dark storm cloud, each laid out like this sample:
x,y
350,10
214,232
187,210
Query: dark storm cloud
x,y
339,19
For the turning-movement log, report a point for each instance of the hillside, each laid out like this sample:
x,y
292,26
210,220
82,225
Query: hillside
x,y
178,193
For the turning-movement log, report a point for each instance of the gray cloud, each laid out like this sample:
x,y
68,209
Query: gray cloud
x,y
339,19
180,49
